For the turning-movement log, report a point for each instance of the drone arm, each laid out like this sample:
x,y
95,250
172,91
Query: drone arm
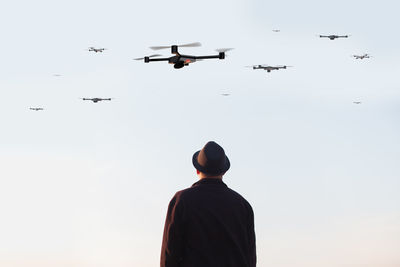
x,y
207,57
158,59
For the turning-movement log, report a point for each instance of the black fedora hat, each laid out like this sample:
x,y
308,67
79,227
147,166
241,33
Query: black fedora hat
x,y
211,159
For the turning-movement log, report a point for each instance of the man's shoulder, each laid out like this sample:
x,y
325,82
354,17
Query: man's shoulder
x,y
195,190
184,193
241,198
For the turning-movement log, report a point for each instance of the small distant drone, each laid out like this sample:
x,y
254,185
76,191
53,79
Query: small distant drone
x,y
225,94
268,68
96,99
333,37
361,56
276,30
357,102
180,60
36,109
96,50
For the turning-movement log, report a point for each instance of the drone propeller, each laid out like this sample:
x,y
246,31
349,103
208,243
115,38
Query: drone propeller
x,y
196,44
223,50
159,47
141,58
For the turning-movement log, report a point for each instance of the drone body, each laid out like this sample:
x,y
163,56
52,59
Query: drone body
x,y
333,37
362,56
96,99
357,102
96,50
268,68
36,109
179,60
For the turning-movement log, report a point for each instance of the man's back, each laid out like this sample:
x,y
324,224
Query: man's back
x,y
209,225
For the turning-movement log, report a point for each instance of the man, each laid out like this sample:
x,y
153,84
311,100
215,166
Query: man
x,y
208,224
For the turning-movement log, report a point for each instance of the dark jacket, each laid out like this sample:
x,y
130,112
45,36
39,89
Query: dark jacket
x,y
209,225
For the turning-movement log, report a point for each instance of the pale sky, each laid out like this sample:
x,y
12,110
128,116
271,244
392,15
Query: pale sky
x,y
87,185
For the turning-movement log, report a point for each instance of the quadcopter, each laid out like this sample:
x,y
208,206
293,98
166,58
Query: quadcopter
x,y
36,109
361,56
96,99
96,50
333,37
357,102
225,94
268,68
276,30
180,60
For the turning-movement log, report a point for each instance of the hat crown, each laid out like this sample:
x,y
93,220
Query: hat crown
x,y
212,154
211,159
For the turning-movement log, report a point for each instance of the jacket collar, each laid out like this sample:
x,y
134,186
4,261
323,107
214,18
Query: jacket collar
x,y
210,181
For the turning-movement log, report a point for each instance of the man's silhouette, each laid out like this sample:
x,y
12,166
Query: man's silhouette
x,y
208,224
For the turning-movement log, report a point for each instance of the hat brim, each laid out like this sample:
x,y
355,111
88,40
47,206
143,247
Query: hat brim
x,y
202,169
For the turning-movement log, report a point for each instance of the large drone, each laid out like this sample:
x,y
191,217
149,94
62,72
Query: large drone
x,y
96,99
333,37
268,68
180,60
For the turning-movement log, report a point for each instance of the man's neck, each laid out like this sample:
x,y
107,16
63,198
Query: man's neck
x,y
210,177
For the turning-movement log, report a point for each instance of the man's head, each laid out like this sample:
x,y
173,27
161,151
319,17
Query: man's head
x,y
211,161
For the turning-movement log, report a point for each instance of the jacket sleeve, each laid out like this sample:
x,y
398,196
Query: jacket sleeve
x,y
172,244
252,239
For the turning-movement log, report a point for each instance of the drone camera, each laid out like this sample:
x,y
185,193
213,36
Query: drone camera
x,y
179,65
221,55
146,59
